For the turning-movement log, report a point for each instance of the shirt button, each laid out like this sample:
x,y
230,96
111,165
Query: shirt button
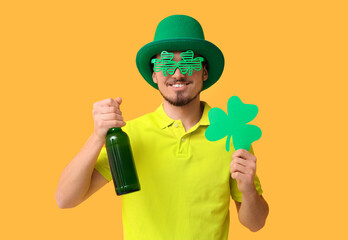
x,y
183,139
176,124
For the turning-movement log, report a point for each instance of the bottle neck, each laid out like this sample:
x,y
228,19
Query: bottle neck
x,y
114,130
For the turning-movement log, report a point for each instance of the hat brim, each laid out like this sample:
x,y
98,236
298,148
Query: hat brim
x,y
211,53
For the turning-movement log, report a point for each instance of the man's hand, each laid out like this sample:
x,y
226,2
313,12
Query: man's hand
x,y
106,115
243,168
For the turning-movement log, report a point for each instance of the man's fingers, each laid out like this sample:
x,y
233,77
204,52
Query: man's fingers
x,y
237,175
234,175
240,161
110,116
241,153
238,168
113,123
106,102
104,110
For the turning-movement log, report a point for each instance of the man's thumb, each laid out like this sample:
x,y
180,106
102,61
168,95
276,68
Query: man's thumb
x,y
118,100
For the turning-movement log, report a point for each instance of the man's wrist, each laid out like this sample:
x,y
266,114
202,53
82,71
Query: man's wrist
x,y
252,194
97,139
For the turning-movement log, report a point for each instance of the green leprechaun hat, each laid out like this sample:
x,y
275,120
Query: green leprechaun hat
x,y
181,33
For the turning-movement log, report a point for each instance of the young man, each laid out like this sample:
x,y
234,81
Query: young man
x,y
186,181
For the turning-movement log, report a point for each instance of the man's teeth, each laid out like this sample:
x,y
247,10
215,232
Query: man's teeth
x,y
178,85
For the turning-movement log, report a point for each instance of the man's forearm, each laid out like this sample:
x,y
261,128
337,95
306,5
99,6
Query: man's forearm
x,y
253,211
75,179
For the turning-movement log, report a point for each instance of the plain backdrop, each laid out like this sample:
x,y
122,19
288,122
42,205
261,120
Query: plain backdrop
x,y
59,57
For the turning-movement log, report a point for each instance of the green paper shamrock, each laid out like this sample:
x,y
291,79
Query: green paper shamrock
x,y
234,124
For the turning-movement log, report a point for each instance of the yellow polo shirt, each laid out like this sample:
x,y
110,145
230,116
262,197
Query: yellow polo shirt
x,y
185,181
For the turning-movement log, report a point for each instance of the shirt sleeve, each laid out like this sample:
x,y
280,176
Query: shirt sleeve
x,y
235,193
102,165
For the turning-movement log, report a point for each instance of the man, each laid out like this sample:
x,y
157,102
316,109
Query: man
x,y
186,181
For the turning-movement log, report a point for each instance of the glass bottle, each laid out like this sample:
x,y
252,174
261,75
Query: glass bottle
x,y
121,162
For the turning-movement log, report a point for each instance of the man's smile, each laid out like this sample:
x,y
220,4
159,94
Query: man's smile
x,y
178,85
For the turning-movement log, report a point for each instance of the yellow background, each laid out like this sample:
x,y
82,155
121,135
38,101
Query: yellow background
x,y
59,57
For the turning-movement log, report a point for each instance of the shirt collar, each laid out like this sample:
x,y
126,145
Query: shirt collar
x,y
205,119
164,120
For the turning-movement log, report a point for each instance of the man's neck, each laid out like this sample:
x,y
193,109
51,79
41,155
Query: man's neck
x,y
190,114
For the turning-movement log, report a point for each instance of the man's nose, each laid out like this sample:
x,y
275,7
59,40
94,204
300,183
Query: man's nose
x,y
178,74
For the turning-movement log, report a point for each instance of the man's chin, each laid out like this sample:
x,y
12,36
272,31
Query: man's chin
x,y
179,101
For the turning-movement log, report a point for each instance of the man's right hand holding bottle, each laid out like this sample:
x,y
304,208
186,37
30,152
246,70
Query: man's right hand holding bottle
x,y
106,115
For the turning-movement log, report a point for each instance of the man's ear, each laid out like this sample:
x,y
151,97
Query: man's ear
x,y
205,73
154,79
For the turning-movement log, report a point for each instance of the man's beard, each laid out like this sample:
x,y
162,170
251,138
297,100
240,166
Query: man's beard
x,y
180,100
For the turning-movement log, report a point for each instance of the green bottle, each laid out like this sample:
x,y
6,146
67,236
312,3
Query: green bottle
x,y
121,162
